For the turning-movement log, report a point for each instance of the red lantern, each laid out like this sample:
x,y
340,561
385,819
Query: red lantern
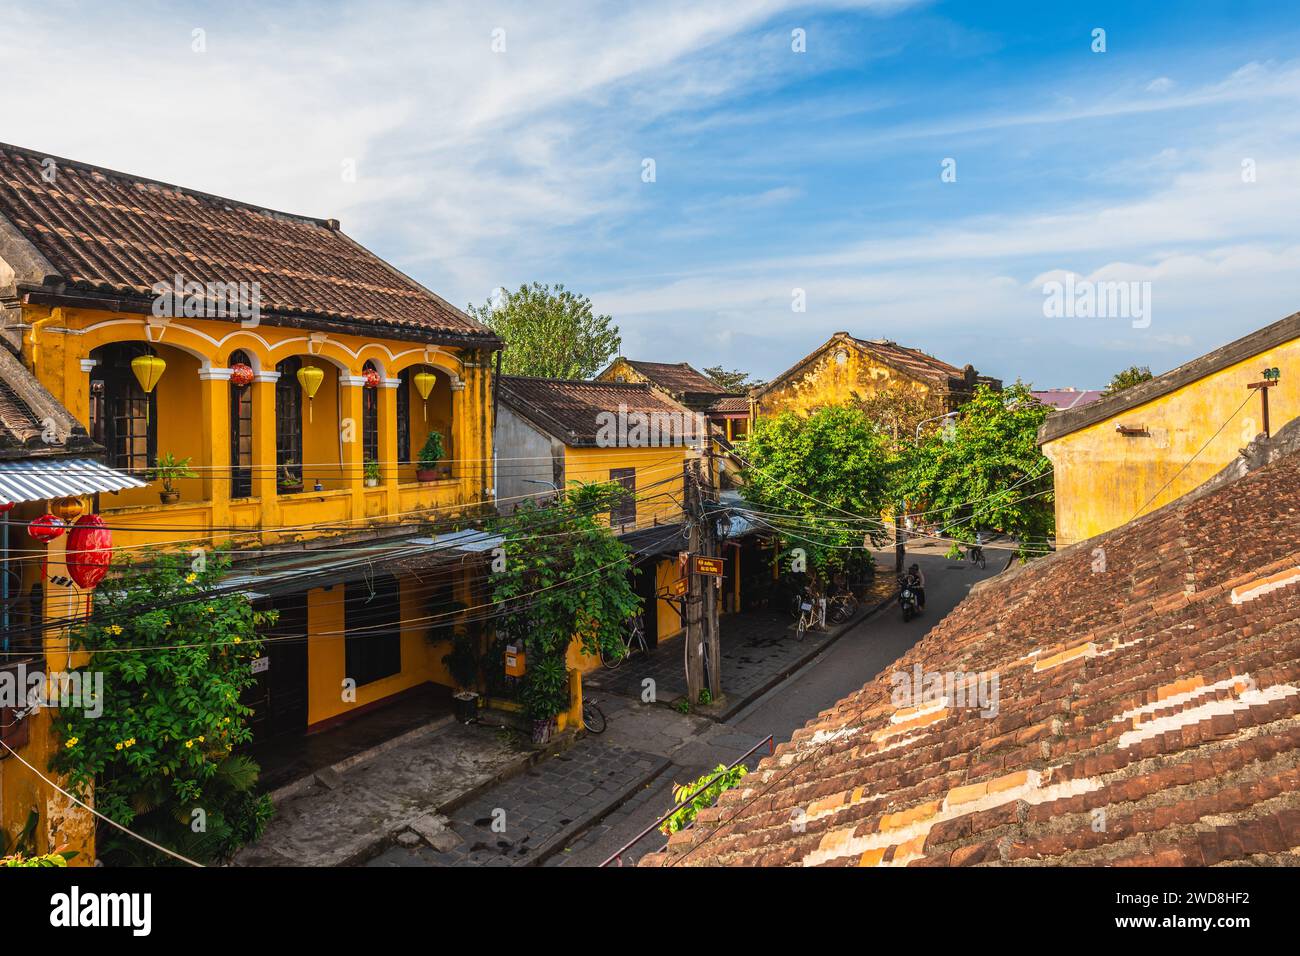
x,y
241,374
46,528
371,378
6,507
90,550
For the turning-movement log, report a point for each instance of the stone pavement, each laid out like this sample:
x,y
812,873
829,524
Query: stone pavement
x,y
521,821
341,819
758,650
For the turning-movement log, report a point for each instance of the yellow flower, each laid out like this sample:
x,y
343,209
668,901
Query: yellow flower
x,y
238,640
72,742
189,743
191,578
201,738
114,629
117,746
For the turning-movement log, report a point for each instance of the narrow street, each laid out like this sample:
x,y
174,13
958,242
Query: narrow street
x,y
648,748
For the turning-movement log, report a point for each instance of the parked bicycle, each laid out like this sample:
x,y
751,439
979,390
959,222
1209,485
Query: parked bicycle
x,y
593,718
841,606
633,642
807,614
976,555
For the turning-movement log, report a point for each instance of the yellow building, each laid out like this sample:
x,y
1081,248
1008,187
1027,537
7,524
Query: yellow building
x,y
551,432
1143,447
299,375
727,412
846,370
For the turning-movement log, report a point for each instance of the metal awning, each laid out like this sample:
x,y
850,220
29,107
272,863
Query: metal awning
x,y
36,479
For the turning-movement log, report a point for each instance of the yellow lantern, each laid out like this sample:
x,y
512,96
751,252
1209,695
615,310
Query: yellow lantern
x,y
148,369
310,378
424,382
69,507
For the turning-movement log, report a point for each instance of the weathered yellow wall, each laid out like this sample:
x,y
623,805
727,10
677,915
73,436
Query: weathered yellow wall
x,y
1104,479
827,381
652,465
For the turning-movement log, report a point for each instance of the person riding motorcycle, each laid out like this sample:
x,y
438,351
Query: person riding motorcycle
x,y
916,581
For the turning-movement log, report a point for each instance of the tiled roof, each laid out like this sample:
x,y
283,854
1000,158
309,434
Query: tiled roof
x,y
32,422
918,363
571,409
730,404
109,233
678,379
1148,714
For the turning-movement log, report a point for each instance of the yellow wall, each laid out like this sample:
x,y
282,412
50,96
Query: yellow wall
x,y
652,465
1105,479
193,421
826,382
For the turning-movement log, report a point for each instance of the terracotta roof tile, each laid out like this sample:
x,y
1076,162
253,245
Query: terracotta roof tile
x,y
114,234
571,409
1143,717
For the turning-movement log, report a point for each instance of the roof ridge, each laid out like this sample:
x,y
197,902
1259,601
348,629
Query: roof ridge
x,y
61,161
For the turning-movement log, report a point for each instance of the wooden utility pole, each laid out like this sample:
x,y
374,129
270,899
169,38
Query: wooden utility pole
x,y
1271,378
711,589
694,599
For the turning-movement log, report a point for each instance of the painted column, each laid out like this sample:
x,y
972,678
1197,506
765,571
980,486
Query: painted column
x,y
389,474
352,434
214,385
265,473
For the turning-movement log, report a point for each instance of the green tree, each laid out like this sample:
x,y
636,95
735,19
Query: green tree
x,y
551,333
161,755
565,577
811,472
1133,375
986,472
733,381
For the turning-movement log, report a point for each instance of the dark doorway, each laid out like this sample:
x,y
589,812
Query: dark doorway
x,y
372,619
279,698
644,585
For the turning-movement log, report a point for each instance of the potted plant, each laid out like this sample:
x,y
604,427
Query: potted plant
x,y
429,468
289,483
372,473
168,469
462,661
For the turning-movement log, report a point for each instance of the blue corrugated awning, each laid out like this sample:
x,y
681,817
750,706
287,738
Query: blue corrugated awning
x,y
36,479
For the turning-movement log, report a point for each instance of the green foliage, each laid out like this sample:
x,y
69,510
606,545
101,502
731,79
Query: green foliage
x,y
169,468
682,705
48,859
1133,375
565,579
432,452
819,467
733,381
371,469
979,474
462,661
703,798
549,333
171,716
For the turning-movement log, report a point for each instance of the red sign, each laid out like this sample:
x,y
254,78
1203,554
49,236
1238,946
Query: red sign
x,y
703,565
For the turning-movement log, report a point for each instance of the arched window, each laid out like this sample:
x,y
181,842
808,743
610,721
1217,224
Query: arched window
x,y
404,416
122,417
369,417
241,426
288,426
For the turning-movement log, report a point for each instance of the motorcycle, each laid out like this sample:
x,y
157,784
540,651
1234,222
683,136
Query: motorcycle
x,y
907,599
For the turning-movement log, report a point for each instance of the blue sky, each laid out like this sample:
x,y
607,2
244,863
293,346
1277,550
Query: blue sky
x,y
774,170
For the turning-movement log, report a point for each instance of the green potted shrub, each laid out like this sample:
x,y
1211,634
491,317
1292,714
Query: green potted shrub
x,y
372,473
462,662
430,467
168,469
